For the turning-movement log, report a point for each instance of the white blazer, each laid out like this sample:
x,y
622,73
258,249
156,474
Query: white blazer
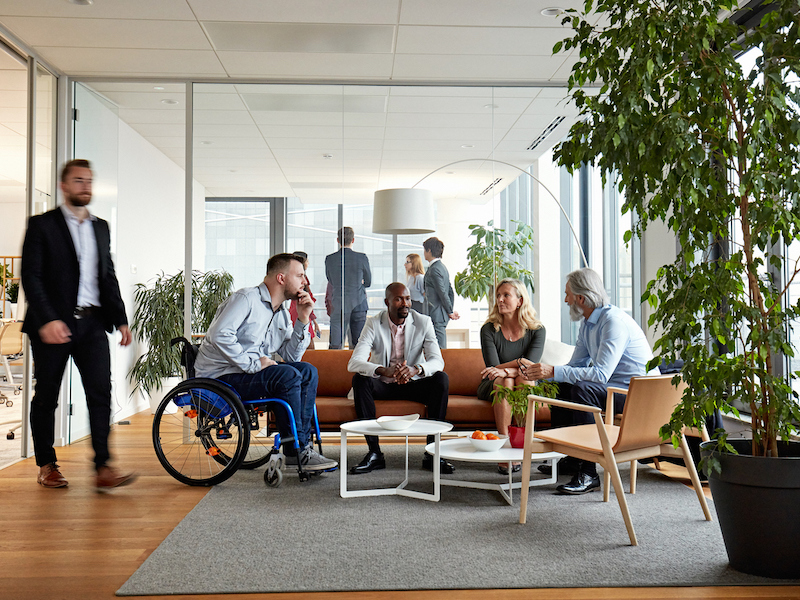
x,y
375,346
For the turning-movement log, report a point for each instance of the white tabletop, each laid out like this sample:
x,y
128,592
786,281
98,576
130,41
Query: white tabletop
x,y
462,449
419,427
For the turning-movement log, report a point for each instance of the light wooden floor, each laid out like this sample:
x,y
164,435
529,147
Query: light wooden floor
x,y
76,544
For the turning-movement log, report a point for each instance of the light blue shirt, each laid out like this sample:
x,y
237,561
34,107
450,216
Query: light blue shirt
x,y
245,328
85,243
611,348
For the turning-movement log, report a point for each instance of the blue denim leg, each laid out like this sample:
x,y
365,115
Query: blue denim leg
x,y
296,383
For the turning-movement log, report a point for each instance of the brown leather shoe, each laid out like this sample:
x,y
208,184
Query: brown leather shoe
x,y
109,478
51,477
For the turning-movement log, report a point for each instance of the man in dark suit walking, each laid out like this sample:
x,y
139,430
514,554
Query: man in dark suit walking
x,y
73,300
439,296
349,275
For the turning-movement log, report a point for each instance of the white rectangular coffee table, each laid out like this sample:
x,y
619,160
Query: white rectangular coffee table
x,y
461,449
370,427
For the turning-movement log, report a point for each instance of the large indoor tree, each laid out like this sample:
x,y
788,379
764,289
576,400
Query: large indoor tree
x,y
712,149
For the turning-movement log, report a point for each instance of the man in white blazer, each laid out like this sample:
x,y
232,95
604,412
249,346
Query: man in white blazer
x,y
397,358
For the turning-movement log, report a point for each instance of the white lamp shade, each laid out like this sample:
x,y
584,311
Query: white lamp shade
x,y
403,211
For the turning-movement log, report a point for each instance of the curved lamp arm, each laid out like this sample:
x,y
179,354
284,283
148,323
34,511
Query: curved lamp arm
x,y
563,212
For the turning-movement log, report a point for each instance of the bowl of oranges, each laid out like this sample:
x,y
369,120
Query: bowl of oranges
x,y
487,442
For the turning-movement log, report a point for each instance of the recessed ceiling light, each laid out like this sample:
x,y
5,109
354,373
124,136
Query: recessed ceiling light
x,y
327,156
206,143
467,145
169,101
553,11
490,106
449,172
232,170
158,87
81,2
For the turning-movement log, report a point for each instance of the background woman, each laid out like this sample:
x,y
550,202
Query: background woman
x,y
415,276
313,326
511,332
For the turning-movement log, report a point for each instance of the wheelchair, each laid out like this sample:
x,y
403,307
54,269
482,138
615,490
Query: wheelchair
x,y
203,432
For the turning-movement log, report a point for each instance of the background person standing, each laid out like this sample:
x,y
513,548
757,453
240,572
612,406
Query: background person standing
x,y
439,296
349,276
73,300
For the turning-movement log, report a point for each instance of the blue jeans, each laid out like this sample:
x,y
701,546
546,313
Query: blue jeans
x,y
296,383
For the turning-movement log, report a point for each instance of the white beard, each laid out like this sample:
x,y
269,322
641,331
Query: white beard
x,y
575,313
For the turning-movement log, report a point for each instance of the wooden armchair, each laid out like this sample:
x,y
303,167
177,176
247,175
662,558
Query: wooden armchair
x,y
649,405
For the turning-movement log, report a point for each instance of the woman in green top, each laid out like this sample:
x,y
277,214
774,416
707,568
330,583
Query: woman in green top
x,y
511,332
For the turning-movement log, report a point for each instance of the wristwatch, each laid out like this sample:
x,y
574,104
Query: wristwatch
x,y
419,369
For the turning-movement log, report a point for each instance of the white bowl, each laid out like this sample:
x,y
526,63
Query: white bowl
x,y
489,445
398,423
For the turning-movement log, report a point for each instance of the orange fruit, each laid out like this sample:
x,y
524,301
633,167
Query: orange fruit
x,y
491,436
478,435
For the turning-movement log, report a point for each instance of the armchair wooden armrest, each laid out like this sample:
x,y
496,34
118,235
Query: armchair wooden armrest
x,y
562,403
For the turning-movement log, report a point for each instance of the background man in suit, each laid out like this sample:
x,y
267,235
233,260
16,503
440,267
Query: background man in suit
x,y
349,275
439,295
398,358
73,300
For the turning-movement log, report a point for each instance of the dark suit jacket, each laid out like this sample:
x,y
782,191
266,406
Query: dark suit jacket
x,y
357,277
50,274
439,296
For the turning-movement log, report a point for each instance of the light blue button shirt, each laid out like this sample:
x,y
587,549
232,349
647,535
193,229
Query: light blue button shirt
x,y
611,348
85,243
245,328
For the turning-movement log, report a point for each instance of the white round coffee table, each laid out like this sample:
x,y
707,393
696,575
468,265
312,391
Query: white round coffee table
x,y
461,449
418,428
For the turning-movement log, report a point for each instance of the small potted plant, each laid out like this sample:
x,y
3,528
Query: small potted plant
x,y
517,398
12,295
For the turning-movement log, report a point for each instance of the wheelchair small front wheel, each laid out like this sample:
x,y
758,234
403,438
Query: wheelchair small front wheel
x,y
273,477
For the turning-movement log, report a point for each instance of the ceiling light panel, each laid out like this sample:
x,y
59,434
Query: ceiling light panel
x,y
315,103
300,37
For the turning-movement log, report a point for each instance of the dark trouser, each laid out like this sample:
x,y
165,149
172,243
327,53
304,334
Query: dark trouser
x,y
430,390
296,383
89,349
440,329
590,394
354,319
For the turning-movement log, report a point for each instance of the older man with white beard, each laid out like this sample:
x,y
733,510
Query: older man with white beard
x,y
611,348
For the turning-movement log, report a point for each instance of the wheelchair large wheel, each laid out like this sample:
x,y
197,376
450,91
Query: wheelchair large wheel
x,y
201,432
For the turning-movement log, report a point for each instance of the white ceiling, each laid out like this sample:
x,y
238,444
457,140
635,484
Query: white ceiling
x,y
253,139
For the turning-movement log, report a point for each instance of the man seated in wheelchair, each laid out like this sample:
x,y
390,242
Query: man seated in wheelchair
x,y
250,327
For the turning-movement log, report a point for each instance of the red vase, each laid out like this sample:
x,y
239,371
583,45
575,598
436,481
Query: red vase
x,y
516,436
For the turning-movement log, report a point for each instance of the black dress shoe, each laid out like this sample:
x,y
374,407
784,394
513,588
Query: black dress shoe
x,y
370,462
582,483
445,467
503,469
566,466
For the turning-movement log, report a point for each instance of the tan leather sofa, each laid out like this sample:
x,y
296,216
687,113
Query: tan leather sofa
x,y
464,410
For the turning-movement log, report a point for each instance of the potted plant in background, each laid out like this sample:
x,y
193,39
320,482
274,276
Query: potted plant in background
x,y
158,318
12,295
492,258
517,398
713,149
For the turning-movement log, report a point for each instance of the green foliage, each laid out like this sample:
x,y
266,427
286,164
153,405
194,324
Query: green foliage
x,y
517,397
492,258
714,152
12,291
159,318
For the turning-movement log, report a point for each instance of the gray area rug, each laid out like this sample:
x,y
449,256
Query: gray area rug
x,y
246,537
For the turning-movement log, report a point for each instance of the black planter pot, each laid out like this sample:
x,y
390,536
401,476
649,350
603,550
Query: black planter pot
x,y
757,501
